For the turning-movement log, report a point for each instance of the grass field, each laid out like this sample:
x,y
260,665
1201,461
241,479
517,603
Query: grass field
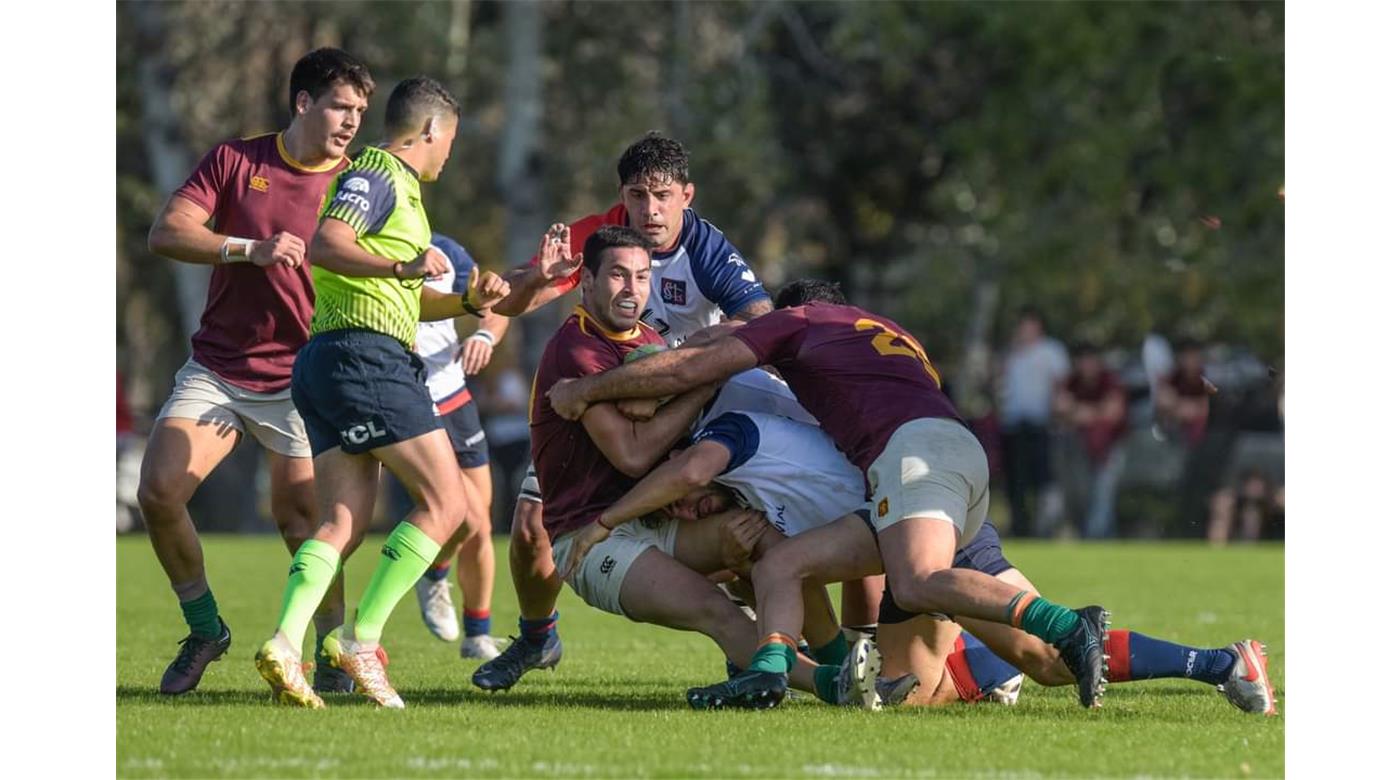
x,y
615,706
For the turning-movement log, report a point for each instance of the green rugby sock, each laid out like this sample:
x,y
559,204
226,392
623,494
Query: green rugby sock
x,y
313,569
777,657
1048,620
833,652
406,554
202,616
824,680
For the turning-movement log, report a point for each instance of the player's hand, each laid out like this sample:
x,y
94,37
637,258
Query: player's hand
x,y
585,540
431,264
555,262
738,536
476,353
282,247
566,399
485,290
638,409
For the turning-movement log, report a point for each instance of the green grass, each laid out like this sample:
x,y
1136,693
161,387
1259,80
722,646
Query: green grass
x,y
615,706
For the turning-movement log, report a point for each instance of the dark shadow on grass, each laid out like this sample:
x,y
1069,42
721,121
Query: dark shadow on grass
x,y
130,694
538,698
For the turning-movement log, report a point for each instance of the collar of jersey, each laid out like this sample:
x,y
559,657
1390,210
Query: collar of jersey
x,y
584,319
296,166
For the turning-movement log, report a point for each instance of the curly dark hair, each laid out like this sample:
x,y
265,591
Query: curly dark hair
x,y
800,292
322,69
654,156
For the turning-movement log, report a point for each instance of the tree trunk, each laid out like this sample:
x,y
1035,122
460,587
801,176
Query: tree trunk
x,y
522,190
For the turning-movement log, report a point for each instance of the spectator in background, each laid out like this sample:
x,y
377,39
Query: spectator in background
x,y
1183,399
1034,368
1094,405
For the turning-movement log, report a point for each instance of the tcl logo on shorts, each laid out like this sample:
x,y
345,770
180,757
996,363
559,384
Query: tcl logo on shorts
x,y
359,434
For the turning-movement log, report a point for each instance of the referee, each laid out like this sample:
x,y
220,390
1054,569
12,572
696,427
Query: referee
x,y
360,389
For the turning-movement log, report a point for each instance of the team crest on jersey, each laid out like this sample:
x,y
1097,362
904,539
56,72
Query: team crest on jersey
x,y
259,183
884,507
673,291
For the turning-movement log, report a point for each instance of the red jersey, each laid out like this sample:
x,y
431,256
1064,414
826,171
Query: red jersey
x,y
861,375
579,231
1098,436
577,481
255,319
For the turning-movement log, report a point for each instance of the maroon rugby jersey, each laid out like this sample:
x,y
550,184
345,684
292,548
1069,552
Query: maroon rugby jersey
x,y
861,375
577,481
255,318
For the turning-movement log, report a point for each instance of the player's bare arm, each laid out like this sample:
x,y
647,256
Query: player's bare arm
x,y
693,468
533,285
335,247
633,448
753,310
478,347
484,290
181,232
660,375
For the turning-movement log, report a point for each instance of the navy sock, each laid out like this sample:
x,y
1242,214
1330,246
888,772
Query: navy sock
x,y
539,631
1134,656
976,668
437,573
476,623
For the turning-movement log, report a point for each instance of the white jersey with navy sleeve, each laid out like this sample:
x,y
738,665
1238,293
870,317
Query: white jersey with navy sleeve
x,y
438,343
754,390
702,278
790,471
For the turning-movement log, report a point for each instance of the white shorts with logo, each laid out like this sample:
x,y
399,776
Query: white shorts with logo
x,y
598,580
271,418
931,467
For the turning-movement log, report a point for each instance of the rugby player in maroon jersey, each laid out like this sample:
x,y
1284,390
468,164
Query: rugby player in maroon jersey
x,y
875,392
263,194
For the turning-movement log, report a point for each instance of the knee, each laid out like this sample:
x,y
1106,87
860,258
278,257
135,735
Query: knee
x,y
777,568
294,514
527,527
161,495
906,592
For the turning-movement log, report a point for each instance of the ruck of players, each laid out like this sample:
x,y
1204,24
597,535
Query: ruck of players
x,y
707,454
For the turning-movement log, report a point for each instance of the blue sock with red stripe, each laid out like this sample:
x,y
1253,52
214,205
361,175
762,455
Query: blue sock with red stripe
x,y
438,573
537,632
976,669
476,622
1134,656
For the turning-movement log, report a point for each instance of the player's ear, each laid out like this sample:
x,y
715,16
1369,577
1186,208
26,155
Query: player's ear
x,y
304,102
687,194
430,129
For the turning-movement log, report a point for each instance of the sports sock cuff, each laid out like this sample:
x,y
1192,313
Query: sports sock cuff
x,y
777,654
539,628
824,680
407,537
315,549
438,573
833,652
189,591
1120,656
477,614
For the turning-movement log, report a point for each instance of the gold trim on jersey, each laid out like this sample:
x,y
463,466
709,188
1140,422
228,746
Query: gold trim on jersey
x,y
584,318
296,166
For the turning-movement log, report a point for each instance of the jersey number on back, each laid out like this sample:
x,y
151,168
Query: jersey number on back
x,y
884,344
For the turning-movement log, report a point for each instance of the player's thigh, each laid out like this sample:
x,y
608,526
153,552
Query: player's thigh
x,y
600,576
838,551
480,478
346,488
698,543
932,471
661,590
426,467
180,453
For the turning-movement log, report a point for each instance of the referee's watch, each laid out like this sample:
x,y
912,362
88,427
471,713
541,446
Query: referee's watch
x,y
467,304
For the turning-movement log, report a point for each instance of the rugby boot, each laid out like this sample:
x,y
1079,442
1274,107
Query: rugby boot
x,y
435,605
747,690
326,678
1082,650
894,692
856,684
282,670
506,669
480,647
366,666
1007,693
1248,686
196,653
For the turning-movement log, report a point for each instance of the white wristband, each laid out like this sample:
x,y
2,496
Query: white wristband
x,y
484,335
231,241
